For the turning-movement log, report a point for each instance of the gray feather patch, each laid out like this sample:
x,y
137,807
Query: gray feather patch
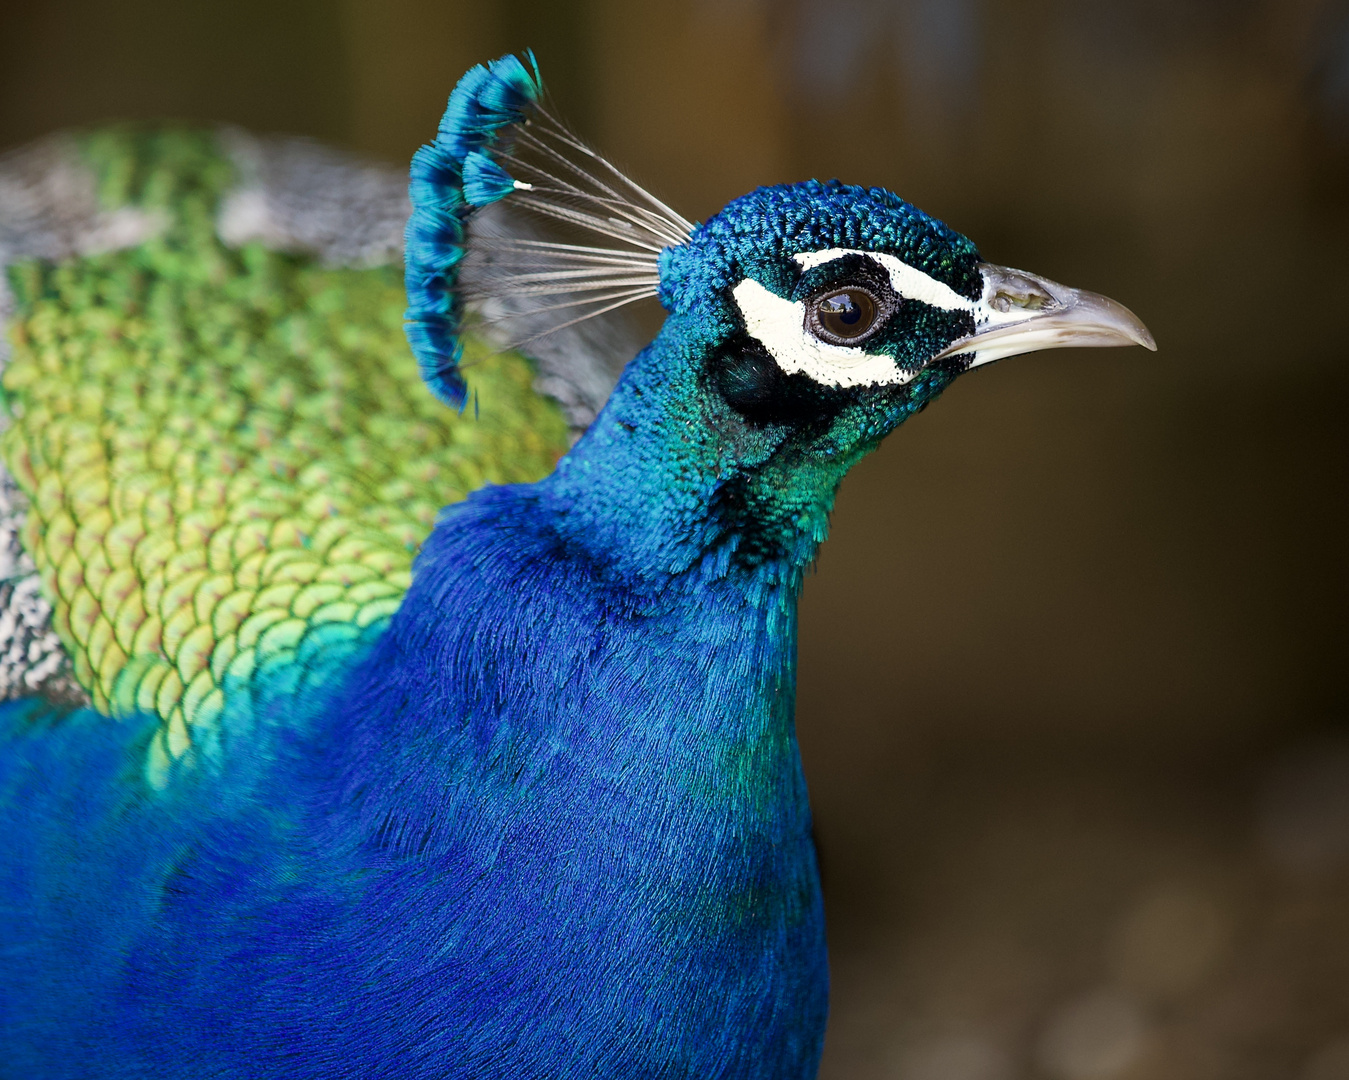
x,y
300,196
579,364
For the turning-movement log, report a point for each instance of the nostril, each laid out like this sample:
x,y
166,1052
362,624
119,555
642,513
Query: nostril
x,y
1022,294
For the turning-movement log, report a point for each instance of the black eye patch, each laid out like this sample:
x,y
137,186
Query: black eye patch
x,y
757,388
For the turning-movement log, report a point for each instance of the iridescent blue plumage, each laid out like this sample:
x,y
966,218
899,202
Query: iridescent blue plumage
x,y
553,822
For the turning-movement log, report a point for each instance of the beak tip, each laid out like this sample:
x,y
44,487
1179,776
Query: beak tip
x,y
1145,338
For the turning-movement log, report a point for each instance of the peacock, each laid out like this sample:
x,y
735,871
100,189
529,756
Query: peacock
x,y
398,661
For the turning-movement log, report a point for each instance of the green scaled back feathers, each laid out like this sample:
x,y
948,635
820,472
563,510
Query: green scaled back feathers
x,y
229,455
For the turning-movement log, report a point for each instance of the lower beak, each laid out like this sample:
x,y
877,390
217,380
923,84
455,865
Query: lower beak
x,y
1021,313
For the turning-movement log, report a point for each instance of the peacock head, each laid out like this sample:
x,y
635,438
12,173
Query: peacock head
x,y
831,299
805,321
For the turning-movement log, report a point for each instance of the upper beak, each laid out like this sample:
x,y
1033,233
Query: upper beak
x,y
1021,313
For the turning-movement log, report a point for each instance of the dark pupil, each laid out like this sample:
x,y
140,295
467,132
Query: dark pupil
x,y
847,314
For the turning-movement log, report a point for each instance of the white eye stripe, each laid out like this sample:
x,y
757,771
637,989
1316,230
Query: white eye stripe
x,y
908,283
780,326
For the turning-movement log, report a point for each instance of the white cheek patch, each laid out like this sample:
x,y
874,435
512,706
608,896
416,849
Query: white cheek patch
x,y
780,326
908,283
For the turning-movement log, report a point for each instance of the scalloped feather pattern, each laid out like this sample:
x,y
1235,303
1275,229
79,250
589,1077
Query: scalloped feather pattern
x,y
229,457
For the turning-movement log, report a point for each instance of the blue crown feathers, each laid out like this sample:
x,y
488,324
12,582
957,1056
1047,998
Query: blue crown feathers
x,y
451,177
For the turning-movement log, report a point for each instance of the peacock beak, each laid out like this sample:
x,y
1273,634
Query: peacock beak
x,y
1021,313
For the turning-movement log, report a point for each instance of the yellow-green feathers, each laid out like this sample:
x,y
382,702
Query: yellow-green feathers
x,y
229,456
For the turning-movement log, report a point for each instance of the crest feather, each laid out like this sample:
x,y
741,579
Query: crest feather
x,y
497,143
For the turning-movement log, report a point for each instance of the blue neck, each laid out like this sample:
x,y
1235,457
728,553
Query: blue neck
x,y
599,761
614,617
595,665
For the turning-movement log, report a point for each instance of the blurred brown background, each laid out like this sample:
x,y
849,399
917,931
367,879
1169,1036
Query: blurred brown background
x,y
1072,692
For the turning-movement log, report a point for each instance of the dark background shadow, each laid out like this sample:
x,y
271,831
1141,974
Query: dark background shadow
x,y
1072,692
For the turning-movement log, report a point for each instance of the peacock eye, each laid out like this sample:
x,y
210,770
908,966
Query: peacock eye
x,y
844,316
